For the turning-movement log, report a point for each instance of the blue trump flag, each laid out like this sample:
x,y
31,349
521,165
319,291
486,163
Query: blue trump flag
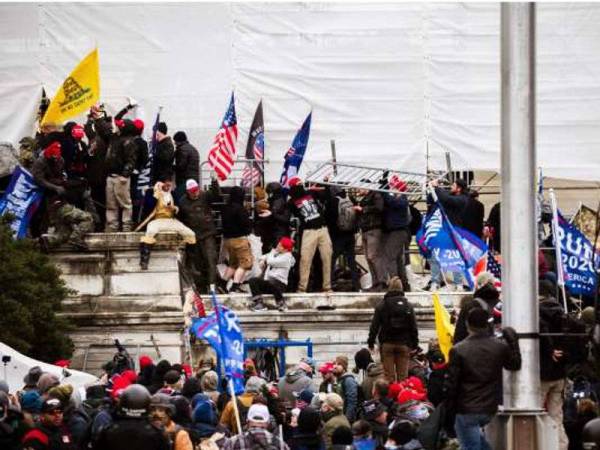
x,y
294,156
578,262
223,332
455,249
21,199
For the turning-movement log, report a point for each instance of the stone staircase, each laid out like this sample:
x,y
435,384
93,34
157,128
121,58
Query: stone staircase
x,y
114,299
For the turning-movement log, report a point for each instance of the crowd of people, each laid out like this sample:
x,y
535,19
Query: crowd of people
x,y
397,397
90,174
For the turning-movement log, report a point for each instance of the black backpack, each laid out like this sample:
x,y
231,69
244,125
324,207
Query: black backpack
x,y
398,314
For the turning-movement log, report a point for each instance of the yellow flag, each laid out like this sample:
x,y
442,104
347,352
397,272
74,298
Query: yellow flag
x,y
443,327
78,92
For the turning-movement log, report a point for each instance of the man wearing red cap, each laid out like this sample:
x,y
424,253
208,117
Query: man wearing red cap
x,y
396,223
278,263
70,223
195,212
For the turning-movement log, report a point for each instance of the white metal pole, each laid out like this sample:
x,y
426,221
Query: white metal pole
x,y
519,238
235,407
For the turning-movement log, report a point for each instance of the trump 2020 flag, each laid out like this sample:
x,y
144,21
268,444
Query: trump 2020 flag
x,y
21,200
78,92
455,249
294,156
223,332
577,256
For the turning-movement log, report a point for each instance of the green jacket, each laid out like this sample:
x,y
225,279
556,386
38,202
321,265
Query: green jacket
x,y
336,421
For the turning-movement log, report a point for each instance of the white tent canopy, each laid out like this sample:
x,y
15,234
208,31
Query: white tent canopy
x,y
389,82
19,365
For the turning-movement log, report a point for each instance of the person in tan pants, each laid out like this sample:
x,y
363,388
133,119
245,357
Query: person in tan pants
x,y
305,206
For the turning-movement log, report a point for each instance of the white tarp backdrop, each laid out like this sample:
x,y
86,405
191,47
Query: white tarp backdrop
x,y
386,81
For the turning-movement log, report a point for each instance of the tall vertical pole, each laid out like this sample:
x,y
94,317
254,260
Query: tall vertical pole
x,y
519,240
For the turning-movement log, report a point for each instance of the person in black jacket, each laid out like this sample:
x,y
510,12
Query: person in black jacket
x,y
486,296
187,163
162,162
395,326
141,163
280,212
195,211
120,162
494,229
236,228
553,357
474,215
397,235
370,221
453,202
474,383
304,205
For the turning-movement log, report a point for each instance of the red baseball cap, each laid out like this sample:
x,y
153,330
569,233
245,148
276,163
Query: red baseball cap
x,y
287,243
326,368
138,124
294,181
77,132
53,150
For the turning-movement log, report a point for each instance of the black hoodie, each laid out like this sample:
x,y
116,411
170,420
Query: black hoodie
x,y
552,320
279,211
304,206
235,218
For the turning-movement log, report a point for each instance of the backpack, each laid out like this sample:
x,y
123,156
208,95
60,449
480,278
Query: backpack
x,y
274,444
399,316
346,218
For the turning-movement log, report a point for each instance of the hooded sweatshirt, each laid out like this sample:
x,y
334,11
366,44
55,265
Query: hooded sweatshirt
x,y
304,206
374,371
278,265
296,380
235,218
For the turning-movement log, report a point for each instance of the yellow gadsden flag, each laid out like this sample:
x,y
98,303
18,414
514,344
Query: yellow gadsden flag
x,y
443,327
78,92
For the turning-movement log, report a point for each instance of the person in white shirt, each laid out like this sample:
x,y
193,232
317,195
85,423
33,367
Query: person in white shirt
x,y
278,263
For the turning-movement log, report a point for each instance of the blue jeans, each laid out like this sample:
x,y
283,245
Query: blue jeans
x,y
469,431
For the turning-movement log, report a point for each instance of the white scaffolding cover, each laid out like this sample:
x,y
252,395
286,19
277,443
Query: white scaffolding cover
x,y
388,82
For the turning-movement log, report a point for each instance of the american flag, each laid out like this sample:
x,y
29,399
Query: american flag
x,y
490,264
255,151
222,154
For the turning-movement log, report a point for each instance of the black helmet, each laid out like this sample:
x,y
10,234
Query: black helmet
x,y
590,437
134,401
163,401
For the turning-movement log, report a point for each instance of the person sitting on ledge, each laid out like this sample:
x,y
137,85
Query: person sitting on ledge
x,y
163,220
278,263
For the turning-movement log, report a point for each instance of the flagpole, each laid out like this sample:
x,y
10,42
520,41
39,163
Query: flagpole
x,y
215,303
557,249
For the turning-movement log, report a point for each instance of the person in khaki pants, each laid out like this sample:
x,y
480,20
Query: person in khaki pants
x,y
305,206
395,325
120,161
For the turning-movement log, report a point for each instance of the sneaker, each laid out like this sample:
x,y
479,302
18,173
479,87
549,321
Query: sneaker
x,y
258,306
237,288
281,306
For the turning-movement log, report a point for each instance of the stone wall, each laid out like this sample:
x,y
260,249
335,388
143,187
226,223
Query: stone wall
x,y
143,309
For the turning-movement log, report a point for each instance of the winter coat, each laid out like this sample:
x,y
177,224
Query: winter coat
x,y
473,217
48,173
396,214
306,207
99,133
382,324
371,216
307,441
454,205
494,222
141,155
43,437
348,389
121,157
162,162
338,420
187,163
197,214
552,320
278,265
77,421
296,380
474,383
490,295
280,211
235,218
132,434
373,372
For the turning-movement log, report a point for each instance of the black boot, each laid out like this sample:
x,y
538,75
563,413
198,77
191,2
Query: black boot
x,y
144,256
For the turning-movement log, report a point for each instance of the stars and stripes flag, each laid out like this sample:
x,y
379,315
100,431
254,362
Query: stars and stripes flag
x,y
490,264
222,154
253,173
294,156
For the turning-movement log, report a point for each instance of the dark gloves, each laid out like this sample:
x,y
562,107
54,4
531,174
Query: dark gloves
x,y
510,335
